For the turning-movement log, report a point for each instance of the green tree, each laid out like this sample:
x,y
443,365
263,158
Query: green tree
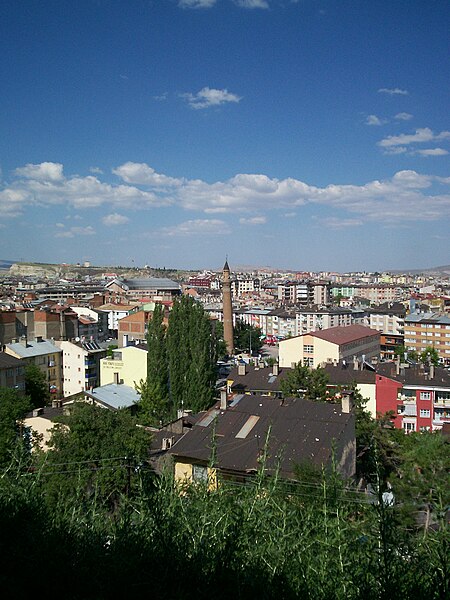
x,y
430,356
303,381
402,350
36,386
154,404
246,337
91,454
192,356
13,408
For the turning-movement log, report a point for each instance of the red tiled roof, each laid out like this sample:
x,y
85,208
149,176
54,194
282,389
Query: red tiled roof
x,y
344,335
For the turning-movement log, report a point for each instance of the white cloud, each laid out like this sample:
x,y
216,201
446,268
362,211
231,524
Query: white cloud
x,y
337,223
142,174
198,227
393,91
432,152
46,171
374,120
75,232
407,196
252,3
208,97
253,221
424,134
403,116
161,97
114,219
196,3
96,170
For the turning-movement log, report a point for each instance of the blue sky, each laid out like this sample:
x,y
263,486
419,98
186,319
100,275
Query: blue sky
x,y
308,134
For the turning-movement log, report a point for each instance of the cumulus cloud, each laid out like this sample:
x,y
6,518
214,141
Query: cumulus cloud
x,y
198,227
196,3
393,91
407,196
208,97
252,3
432,152
338,223
253,221
96,170
374,120
403,116
424,134
46,171
75,232
142,174
114,219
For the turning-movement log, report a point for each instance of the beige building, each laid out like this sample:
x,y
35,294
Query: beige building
x,y
428,329
330,345
127,365
45,355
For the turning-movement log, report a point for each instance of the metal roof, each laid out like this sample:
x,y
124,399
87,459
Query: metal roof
x,y
33,348
115,395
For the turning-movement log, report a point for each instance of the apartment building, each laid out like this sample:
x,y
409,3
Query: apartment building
x,y
12,372
336,344
316,319
127,365
45,355
81,365
428,329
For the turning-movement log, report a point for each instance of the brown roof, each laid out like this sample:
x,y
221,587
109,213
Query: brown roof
x,y
257,380
299,430
345,335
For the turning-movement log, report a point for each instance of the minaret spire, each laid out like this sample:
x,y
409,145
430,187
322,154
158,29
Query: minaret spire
x,y
227,309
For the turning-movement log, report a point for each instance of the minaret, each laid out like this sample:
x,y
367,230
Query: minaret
x,y
227,310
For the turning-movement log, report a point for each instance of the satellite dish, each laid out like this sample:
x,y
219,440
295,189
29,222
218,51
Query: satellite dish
x,y
77,339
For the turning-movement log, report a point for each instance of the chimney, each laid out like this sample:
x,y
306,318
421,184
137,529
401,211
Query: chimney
x,y
125,340
355,363
275,369
38,339
241,369
431,371
37,412
23,341
347,402
223,399
397,365
116,378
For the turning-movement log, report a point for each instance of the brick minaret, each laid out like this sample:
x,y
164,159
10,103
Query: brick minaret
x,y
227,310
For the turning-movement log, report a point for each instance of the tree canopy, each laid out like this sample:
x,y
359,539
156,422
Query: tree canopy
x,y
304,381
13,408
36,386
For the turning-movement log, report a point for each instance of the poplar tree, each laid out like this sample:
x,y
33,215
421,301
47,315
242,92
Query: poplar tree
x,y
154,404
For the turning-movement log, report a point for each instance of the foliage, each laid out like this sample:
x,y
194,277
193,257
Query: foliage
x,y
89,450
191,352
246,337
411,354
13,408
316,540
36,386
154,405
303,381
221,347
110,350
430,356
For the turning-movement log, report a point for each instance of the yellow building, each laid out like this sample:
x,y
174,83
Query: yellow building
x,y
128,366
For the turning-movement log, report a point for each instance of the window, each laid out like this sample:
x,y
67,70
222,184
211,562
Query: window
x,y
308,361
424,428
308,349
200,473
425,412
409,427
425,395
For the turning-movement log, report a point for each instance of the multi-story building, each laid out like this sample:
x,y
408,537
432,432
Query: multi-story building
x,y
316,319
12,372
388,318
330,345
152,288
240,287
428,329
81,365
45,355
127,365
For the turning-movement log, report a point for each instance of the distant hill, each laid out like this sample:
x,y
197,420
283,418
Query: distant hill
x,y
6,264
444,270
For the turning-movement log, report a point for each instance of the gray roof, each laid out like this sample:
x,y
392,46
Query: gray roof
x,y
159,283
7,361
115,395
428,318
33,348
299,430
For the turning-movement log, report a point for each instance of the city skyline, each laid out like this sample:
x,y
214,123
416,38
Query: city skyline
x,y
311,135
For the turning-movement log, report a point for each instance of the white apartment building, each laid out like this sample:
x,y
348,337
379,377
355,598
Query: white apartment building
x,y
81,366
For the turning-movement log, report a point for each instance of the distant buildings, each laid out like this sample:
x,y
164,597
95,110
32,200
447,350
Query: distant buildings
x,y
428,329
